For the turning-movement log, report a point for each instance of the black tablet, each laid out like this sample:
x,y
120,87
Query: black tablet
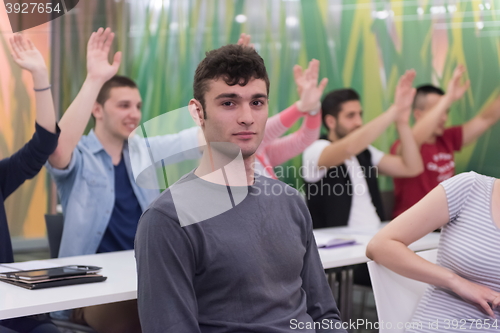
x,y
51,273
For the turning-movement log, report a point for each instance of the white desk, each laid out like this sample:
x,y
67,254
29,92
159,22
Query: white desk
x,y
355,254
348,256
121,284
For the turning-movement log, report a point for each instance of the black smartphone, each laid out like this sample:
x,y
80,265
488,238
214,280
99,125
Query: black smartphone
x,y
49,273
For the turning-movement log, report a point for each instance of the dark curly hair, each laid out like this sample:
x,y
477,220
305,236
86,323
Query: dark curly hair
x,y
235,64
332,103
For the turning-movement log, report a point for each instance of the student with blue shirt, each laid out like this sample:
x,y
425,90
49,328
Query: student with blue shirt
x,y
26,163
101,202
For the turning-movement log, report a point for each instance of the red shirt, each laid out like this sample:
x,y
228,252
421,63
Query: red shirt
x,y
439,165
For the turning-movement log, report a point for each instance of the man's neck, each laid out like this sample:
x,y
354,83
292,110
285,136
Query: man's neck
x,y
219,168
432,139
111,144
332,136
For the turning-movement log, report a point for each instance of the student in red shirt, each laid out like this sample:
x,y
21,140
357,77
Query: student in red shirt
x,y
437,143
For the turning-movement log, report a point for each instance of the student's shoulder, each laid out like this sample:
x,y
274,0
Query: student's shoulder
x,y
277,189
315,148
88,144
160,218
318,144
462,184
468,179
164,203
451,133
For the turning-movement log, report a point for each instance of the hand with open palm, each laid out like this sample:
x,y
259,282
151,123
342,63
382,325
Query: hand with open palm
x,y
26,55
98,48
455,89
307,85
403,98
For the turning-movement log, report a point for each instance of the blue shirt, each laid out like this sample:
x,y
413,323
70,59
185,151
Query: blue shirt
x,y
86,189
120,234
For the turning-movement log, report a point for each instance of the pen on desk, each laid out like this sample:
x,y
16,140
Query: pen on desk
x,y
339,242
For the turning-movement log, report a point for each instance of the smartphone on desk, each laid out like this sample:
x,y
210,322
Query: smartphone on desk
x,y
51,273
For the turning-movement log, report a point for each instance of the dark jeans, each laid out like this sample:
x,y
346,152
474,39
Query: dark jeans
x,y
31,324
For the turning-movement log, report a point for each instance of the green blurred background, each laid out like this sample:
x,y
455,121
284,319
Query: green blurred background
x,y
366,45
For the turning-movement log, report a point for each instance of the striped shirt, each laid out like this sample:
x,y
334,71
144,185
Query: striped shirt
x,y
275,150
470,247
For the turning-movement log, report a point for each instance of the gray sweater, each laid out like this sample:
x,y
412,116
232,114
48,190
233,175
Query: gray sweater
x,y
251,268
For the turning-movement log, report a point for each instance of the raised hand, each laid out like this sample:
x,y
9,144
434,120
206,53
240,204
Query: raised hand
x,y
245,41
456,90
26,55
298,75
307,84
98,66
405,93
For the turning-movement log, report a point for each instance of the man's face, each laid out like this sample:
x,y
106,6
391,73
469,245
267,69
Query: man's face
x,y
236,114
428,103
121,112
349,118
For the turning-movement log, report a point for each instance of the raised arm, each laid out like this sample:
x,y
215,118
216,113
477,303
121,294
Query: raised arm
x,y
308,105
27,56
76,117
27,162
409,163
475,127
389,247
357,141
285,148
424,128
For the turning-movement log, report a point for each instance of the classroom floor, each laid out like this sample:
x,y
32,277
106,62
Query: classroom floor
x,y
369,311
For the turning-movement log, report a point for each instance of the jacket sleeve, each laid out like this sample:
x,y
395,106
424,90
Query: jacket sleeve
x,y
27,161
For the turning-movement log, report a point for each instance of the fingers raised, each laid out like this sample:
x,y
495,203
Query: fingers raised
x,y
117,60
297,72
15,51
322,84
108,42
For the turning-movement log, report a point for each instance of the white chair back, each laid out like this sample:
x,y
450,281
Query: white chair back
x,y
396,297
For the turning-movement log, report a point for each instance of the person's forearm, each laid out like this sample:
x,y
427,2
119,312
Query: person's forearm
x,y
45,114
397,257
287,147
279,124
357,141
491,114
424,128
410,152
74,121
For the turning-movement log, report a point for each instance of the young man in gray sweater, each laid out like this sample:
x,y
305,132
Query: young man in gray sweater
x,y
224,250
